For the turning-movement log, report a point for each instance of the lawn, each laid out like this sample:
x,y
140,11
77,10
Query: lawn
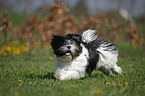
x,y
31,75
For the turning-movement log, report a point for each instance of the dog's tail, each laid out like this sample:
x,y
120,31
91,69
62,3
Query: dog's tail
x,y
89,35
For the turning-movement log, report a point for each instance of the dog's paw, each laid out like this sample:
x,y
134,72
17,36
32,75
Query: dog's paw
x,y
117,70
57,74
61,74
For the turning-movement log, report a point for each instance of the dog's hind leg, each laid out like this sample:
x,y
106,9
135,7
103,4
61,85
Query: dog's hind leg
x,y
116,69
106,70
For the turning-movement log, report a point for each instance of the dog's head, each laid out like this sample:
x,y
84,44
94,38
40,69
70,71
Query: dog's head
x,y
66,47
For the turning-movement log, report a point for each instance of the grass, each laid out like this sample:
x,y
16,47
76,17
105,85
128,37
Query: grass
x,y
31,75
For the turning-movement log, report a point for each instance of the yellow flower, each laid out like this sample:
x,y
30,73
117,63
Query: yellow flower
x,y
118,84
72,85
50,58
97,91
17,76
1,51
108,83
125,83
17,52
13,48
8,48
19,81
24,48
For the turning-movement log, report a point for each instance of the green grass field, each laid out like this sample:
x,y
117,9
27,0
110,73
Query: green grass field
x,y
31,75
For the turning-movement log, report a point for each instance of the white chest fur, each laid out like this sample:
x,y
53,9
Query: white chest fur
x,y
74,69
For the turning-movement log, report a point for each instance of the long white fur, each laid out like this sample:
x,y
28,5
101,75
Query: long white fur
x,y
76,69
89,35
73,69
107,58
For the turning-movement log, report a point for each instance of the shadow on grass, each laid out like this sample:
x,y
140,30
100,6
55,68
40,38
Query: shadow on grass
x,y
51,76
99,75
45,76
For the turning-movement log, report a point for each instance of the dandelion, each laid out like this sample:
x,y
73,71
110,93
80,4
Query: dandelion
x,y
19,81
24,48
13,48
119,84
17,51
8,48
108,83
17,76
50,58
72,85
1,51
125,83
97,91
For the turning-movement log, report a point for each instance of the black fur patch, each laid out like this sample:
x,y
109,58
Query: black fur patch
x,y
75,37
94,54
58,42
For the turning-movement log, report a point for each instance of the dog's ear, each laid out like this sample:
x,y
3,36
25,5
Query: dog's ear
x,y
56,39
75,37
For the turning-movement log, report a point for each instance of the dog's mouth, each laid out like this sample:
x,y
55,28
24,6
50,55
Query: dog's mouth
x,y
68,53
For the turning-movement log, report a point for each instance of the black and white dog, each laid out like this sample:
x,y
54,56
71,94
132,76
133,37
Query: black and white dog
x,y
78,55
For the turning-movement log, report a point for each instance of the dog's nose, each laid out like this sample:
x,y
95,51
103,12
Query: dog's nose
x,y
68,47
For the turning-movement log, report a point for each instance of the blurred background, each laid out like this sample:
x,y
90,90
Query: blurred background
x,y
26,25
135,7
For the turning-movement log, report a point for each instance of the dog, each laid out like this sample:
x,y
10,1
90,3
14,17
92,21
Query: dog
x,y
78,55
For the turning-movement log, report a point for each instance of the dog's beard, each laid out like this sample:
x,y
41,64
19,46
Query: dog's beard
x,y
65,58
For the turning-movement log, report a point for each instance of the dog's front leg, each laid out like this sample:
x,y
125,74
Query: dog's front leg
x,y
70,74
